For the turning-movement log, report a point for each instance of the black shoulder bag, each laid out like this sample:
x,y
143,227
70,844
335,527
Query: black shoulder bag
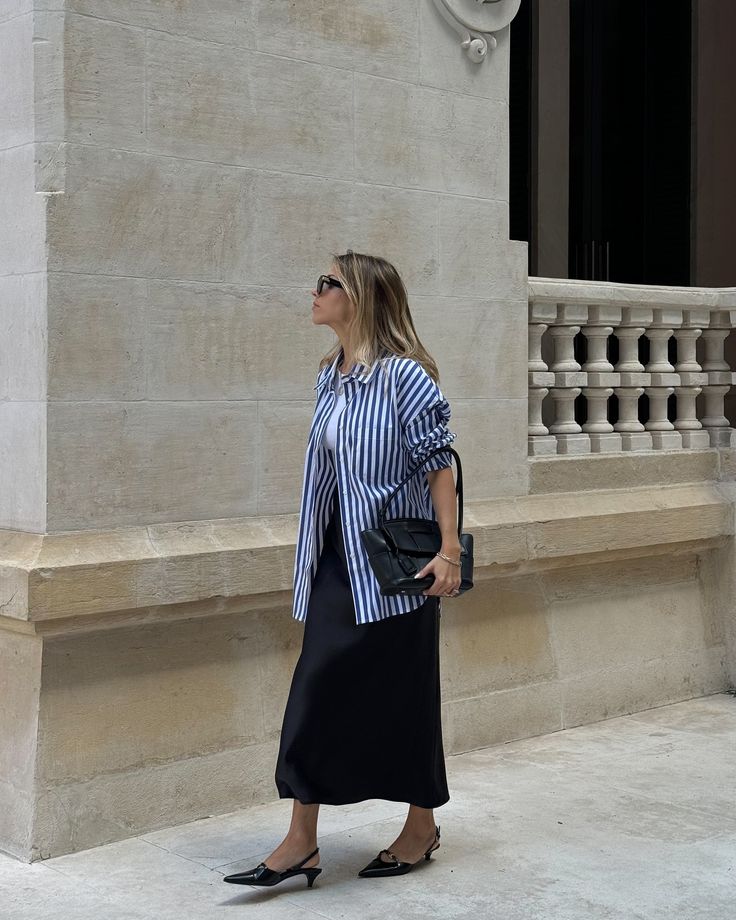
x,y
399,548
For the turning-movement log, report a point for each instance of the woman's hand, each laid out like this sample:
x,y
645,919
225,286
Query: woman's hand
x,y
446,577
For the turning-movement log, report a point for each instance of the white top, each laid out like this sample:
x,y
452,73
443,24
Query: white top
x,y
330,435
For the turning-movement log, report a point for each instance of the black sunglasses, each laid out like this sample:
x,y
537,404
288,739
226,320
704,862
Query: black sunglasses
x,y
327,280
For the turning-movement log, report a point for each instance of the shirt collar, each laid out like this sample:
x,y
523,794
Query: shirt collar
x,y
358,373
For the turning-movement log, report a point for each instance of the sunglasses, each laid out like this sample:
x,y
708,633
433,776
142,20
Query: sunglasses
x,y
327,280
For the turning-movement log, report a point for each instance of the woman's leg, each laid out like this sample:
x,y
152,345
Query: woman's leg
x,y
300,839
417,835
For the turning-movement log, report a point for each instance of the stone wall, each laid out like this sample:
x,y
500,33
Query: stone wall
x,y
177,177
201,167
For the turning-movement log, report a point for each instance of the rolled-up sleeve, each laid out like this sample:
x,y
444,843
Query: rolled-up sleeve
x,y
424,413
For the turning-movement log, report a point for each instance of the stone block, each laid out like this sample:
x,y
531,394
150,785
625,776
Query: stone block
x,y
123,699
22,248
419,137
603,379
542,445
149,216
97,331
636,440
722,437
493,718
664,380
496,638
696,317
11,9
573,444
624,471
692,379
632,687
23,465
606,443
667,317
542,312
721,378
229,105
50,78
482,343
474,259
494,466
20,675
104,83
378,38
666,440
233,23
399,223
636,315
695,439
627,624
23,337
142,464
206,341
604,315
16,86
99,809
566,379
572,314
540,379
635,379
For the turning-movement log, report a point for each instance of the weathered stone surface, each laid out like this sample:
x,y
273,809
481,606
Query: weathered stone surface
x,y
380,37
425,138
229,105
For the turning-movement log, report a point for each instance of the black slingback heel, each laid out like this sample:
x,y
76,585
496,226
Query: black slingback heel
x,y
377,866
263,875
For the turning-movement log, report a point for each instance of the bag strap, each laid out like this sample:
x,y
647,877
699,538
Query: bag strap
x,y
458,487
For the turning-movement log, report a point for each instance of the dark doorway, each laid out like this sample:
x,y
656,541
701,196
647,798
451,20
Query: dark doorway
x,y
629,106
630,112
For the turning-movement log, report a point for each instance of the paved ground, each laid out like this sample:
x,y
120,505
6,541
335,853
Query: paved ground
x,y
633,817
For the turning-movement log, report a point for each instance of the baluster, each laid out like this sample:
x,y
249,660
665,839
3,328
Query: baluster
x,y
692,381
570,436
664,436
597,339
633,435
564,339
628,337
603,439
720,381
540,441
659,362
687,421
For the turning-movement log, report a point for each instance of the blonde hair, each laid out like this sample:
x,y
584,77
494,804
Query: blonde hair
x,y
382,324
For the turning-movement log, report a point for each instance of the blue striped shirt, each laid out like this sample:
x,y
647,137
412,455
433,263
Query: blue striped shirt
x,y
395,414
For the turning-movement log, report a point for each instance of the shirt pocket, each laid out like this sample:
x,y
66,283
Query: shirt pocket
x,y
377,446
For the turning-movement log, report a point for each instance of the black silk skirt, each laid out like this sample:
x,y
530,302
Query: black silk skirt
x,y
363,717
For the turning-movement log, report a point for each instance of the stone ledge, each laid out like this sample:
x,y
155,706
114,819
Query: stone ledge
x,y
198,569
628,469
594,293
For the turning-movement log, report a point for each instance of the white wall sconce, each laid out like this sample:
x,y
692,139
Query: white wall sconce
x,y
476,21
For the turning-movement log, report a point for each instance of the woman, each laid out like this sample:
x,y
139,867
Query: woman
x,y
362,719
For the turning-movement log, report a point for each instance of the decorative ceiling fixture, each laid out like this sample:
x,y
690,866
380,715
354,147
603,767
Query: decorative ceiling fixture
x,y
476,21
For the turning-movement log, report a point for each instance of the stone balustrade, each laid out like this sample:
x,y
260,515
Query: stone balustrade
x,y
681,334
